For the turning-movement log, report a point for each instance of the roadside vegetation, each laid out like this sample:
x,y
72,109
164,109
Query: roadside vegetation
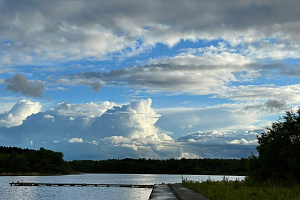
x,y
273,174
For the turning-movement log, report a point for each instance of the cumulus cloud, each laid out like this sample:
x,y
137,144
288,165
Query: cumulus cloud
x,y
86,110
103,127
135,130
19,112
20,84
106,130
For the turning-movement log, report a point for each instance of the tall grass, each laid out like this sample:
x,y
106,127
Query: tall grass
x,y
241,190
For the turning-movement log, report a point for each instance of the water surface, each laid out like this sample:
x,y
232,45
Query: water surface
x,y
8,192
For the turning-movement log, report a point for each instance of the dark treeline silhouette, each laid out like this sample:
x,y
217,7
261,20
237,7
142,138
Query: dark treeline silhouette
x,y
15,160
279,152
170,166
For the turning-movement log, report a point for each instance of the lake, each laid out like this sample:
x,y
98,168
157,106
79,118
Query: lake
x,y
8,192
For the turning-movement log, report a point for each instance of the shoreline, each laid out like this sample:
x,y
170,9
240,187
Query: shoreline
x,y
33,174
83,173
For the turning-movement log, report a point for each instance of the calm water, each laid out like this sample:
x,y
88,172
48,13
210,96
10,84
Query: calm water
x,y
107,193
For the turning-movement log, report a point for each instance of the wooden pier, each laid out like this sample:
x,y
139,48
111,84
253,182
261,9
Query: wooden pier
x,y
78,185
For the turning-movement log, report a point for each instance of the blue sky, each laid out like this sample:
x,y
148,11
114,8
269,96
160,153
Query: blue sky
x,y
152,79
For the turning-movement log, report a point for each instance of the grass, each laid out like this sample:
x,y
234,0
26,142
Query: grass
x,y
241,190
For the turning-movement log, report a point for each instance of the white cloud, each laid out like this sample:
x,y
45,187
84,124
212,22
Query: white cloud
x,y
136,130
289,94
75,140
88,110
19,112
50,117
243,141
209,58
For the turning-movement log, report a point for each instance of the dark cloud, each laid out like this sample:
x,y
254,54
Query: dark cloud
x,y
96,86
268,106
292,71
280,69
20,84
275,105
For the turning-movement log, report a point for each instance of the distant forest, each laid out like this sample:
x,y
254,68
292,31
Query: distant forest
x,y
15,160
170,166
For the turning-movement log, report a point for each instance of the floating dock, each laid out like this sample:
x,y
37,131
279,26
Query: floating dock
x,y
78,185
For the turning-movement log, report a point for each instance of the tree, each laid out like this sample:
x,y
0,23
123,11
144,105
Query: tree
x,y
19,164
279,151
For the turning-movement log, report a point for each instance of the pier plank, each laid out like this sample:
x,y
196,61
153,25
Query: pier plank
x,y
78,185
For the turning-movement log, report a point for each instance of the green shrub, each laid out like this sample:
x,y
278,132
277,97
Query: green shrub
x,y
240,190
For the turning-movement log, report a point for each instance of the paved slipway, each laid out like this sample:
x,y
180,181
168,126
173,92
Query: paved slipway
x,y
175,192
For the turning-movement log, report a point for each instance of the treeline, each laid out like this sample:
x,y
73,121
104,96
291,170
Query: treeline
x,y
15,160
278,161
170,166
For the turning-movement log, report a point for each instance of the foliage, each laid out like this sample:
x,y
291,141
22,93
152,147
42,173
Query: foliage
x,y
279,152
240,190
170,166
15,160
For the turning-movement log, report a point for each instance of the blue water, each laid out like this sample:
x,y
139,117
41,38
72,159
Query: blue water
x,y
8,192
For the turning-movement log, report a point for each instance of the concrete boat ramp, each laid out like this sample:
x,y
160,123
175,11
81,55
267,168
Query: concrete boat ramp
x,y
173,192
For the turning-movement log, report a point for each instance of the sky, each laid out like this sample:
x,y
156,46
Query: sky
x,y
152,79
